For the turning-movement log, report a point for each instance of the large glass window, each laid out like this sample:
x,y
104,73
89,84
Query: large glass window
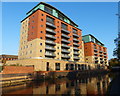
x,y
50,20
64,26
57,66
60,16
48,9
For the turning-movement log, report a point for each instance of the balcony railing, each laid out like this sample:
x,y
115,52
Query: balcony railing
x,y
75,48
74,39
95,53
64,30
75,35
65,56
66,41
50,24
96,57
101,51
66,36
50,30
75,44
65,51
50,36
50,48
50,42
65,46
75,57
50,54
105,52
76,53
95,50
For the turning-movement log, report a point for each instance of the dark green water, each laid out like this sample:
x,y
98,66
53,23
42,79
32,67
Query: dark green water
x,y
97,85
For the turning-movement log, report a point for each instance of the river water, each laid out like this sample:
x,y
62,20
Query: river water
x,y
81,85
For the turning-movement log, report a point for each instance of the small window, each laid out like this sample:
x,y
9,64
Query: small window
x,y
33,21
57,66
41,19
42,14
30,52
40,43
40,50
41,31
40,37
41,25
32,27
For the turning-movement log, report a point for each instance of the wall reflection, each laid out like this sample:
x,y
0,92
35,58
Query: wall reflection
x,y
91,85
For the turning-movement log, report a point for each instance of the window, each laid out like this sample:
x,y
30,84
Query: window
x,y
33,21
42,14
32,27
40,37
41,25
48,9
30,52
40,43
40,50
41,31
60,16
50,20
57,87
47,67
57,66
64,26
41,19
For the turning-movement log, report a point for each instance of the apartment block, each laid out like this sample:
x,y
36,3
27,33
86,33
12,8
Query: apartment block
x,y
51,41
94,50
47,34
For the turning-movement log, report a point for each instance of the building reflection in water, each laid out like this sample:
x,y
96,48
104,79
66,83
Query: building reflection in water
x,y
94,85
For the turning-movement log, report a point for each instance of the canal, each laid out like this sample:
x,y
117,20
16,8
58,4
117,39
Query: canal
x,y
93,85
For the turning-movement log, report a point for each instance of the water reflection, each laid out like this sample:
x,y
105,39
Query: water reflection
x,y
91,85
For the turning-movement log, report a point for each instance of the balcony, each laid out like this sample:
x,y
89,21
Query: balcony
x,y
96,60
101,51
101,54
50,30
75,48
75,57
75,44
66,36
50,48
65,56
50,36
96,57
65,51
76,53
105,52
95,50
50,42
49,54
66,41
50,24
76,40
65,46
101,58
66,31
75,35
95,53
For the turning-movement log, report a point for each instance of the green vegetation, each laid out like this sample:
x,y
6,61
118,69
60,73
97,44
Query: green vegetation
x,y
114,62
